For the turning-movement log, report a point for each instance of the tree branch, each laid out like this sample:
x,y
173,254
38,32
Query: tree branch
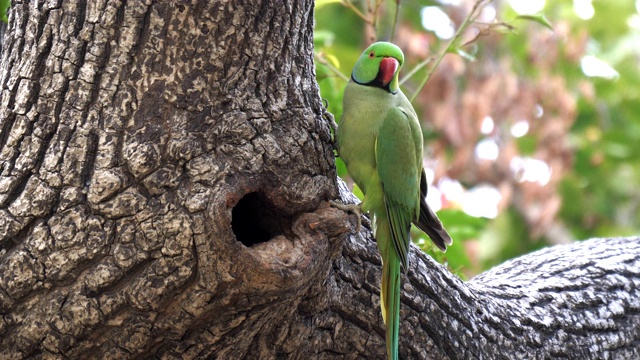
x,y
470,18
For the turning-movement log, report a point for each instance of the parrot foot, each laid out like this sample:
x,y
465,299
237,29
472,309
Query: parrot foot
x,y
352,208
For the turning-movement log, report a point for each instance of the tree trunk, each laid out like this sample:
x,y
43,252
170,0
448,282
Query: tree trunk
x,y
162,175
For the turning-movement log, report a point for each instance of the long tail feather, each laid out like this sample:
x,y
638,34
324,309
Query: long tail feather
x,y
390,287
390,301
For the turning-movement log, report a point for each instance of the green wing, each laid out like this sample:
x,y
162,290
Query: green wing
x,y
398,160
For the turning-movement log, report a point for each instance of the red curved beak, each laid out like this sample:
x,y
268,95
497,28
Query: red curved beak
x,y
388,67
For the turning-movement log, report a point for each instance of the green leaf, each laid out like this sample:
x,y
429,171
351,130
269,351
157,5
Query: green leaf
x,y
341,168
527,145
460,225
540,19
321,3
456,258
333,60
323,38
357,192
4,6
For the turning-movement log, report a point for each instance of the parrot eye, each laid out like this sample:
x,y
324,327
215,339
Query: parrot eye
x,y
371,55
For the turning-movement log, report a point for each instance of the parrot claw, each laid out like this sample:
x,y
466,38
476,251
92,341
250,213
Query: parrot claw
x,y
352,208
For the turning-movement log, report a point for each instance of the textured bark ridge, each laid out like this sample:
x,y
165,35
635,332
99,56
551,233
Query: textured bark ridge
x,y
576,301
129,135
162,175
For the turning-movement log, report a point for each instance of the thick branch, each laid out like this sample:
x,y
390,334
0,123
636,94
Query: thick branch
x,y
572,301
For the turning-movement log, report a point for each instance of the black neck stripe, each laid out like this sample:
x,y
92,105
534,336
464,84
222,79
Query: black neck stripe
x,y
374,83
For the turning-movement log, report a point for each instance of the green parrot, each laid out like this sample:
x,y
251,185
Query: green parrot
x,y
380,140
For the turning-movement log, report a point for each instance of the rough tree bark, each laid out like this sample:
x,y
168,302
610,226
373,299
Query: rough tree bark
x,y
162,176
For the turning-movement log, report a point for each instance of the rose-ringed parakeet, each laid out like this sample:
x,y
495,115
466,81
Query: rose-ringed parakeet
x,y
380,140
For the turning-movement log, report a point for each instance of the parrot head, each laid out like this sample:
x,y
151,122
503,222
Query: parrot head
x,y
379,66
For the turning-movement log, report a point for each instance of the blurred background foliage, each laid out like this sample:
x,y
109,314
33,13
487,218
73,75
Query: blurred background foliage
x,y
532,135
4,6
